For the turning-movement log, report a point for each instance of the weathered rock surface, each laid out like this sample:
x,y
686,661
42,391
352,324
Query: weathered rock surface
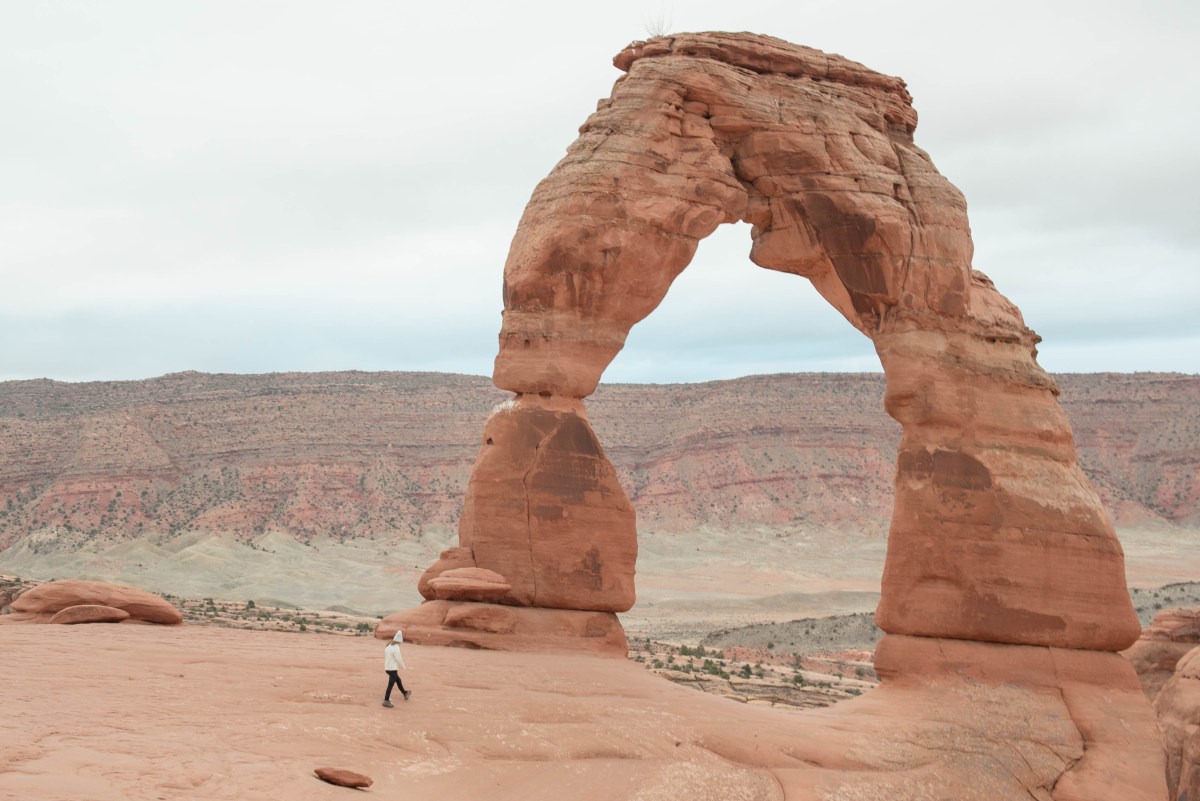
x,y
450,559
55,596
545,510
469,584
1112,754
507,628
1171,634
89,613
1178,708
343,778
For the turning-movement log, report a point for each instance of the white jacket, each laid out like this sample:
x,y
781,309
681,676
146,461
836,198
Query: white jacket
x,y
392,659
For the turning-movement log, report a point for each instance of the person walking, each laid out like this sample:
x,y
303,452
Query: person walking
x,y
393,662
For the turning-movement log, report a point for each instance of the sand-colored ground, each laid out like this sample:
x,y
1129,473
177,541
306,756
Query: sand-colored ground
x,y
116,712
140,712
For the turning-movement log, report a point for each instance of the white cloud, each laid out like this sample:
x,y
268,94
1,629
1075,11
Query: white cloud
x,y
259,186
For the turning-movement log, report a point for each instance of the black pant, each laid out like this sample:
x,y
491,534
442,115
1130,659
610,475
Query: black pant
x,y
393,681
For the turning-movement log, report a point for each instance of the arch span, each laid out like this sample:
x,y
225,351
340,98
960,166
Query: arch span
x,y
996,534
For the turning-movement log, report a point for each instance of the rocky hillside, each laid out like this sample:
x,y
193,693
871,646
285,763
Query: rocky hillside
x,y
387,455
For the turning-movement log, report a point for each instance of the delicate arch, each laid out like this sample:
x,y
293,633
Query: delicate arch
x,y
997,541
996,533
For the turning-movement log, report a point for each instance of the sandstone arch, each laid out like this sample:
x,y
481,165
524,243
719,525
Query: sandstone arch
x,y
1002,571
996,534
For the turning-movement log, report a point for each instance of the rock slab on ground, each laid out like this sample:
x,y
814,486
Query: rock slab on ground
x,y
89,613
343,778
55,596
967,721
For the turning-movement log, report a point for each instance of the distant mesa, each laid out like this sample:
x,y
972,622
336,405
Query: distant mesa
x,y
74,601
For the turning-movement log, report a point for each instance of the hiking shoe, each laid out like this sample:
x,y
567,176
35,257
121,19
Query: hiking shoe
x,y
407,693
389,704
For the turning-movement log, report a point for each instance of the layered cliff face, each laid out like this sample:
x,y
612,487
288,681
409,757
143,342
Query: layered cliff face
x,y
386,455
343,455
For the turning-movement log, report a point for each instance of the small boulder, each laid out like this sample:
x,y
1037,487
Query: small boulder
x,y
450,559
89,613
58,595
343,778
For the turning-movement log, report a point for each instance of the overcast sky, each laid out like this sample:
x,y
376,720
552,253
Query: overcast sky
x,y
269,186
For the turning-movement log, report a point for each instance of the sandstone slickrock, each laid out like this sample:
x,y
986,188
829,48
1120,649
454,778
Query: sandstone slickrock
x,y
1171,634
508,628
54,596
1178,707
89,613
963,721
343,778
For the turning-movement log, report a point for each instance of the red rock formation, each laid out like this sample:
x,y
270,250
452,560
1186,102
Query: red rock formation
x,y
996,534
545,510
343,778
89,613
449,559
243,455
1002,565
55,596
508,628
1178,707
469,584
1117,756
1171,634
